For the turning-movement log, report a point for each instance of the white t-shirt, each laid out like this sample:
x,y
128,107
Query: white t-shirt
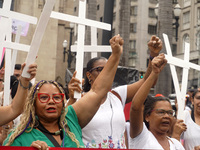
x,y
146,140
192,135
106,129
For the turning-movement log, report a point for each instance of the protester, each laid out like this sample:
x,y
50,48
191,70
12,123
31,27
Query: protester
x,y
157,113
45,117
191,136
16,107
17,71
107,127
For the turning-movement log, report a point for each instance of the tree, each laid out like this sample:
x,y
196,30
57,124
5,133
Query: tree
x,y
125,30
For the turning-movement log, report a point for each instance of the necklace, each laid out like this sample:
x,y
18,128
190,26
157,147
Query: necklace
x,y
44,130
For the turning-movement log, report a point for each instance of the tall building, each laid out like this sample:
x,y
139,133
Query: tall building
x,y
189,31
50,60
135,21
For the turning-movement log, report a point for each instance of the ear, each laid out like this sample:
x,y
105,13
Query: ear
x,y
147,118
88,74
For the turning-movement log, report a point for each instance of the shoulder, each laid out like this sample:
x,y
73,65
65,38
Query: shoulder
x,y
177,144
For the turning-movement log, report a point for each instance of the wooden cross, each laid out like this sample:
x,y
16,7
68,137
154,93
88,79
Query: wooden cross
x,y
82,22
186,65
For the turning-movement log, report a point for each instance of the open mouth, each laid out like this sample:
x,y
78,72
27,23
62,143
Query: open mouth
x,y
165,123
51,109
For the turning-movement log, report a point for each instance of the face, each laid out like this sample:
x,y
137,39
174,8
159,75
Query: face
x,y
17,73
159,121
48,111
95,71
196,103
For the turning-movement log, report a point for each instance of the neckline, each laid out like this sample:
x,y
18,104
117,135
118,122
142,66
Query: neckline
x,y
44,130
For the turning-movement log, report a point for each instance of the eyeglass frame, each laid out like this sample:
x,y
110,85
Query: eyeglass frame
x,y
96,68
165,111
49,97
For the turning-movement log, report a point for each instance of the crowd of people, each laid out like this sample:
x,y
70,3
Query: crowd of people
x,y
97,120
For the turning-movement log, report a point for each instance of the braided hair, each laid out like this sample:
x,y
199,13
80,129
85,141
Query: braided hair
x,y
29,119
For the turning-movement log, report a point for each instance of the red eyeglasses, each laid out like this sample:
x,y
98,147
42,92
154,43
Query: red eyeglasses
x,y
44,97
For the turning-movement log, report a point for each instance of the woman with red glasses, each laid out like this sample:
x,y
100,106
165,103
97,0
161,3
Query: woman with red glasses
x,y
47,123
157,113
107,127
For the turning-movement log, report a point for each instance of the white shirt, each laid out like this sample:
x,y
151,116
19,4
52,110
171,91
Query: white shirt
x,y
146,140
106,129
192,135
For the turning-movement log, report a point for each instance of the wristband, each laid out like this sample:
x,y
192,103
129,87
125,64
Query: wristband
x,y
24,87
150,57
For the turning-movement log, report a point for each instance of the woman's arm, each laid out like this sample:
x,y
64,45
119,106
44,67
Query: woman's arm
x,y
10,112
88,105
155,46
136,110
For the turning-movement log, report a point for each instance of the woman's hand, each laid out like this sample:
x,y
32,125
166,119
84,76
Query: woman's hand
x,y
158,63
40,145
116,44
197,147
74,86
155,46
32,71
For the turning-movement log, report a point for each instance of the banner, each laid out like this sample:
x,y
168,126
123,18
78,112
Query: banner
x,y
52,148
24,25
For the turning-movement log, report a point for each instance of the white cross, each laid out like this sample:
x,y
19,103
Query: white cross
x,y
93,48
82,22
186,65
38,35
5,30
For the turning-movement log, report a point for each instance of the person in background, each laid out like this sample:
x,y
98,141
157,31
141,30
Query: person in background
x,y
45,121
191,136
16,107
107,127
17,71
156,112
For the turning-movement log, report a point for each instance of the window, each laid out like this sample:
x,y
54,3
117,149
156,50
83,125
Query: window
x,y
133,27
152,13
98,7
101,19
198,13
174,49
153,1
114,3
133,11
198,41
152,29
132,44
186,17
74,9
114,16
186,38
175,1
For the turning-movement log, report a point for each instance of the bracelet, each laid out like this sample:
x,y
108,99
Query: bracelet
x,y
22,85
150,57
